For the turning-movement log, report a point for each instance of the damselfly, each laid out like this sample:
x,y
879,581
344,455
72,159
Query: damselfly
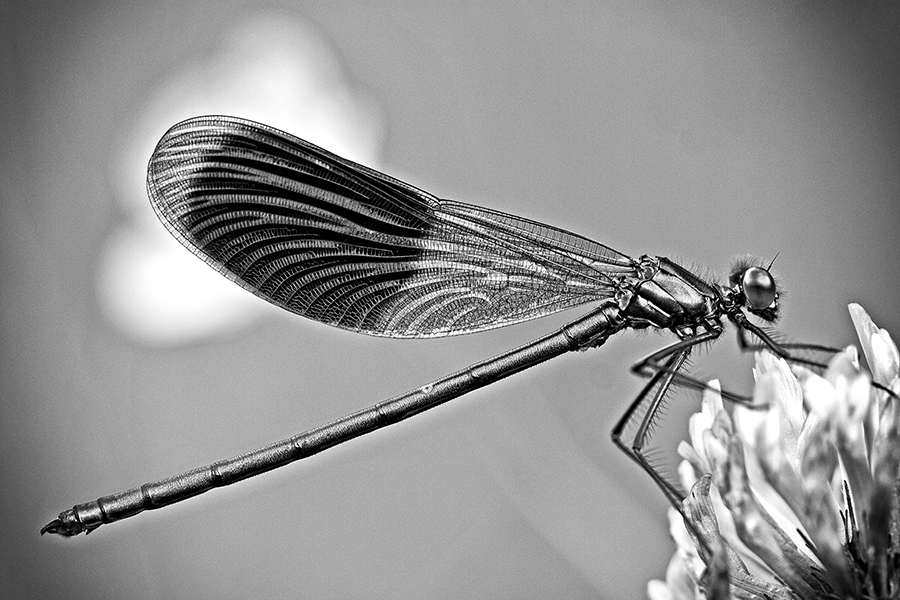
x,y
348,246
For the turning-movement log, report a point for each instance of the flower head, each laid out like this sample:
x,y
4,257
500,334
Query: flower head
x,y
799,495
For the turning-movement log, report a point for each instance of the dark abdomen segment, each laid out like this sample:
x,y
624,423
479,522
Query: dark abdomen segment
x,y
590,330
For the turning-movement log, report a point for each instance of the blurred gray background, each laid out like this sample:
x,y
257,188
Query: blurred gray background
x,y
696,130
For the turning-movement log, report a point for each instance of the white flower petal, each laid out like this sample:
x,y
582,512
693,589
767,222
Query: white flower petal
x,y
689,469
884,362
703,421
880,350
658,590
725,566
759,532
802,486
778,390
684,569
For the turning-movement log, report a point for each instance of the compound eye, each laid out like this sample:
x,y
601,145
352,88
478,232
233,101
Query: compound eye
x,y
759,288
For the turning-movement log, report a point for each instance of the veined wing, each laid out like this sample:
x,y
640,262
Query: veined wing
x,y
343,244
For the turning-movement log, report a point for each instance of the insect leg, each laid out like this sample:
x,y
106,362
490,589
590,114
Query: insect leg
x,y
664,369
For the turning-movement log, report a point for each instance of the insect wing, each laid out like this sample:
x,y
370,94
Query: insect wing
x,y
343,244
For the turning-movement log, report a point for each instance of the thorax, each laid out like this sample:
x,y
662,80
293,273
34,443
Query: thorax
x,y
668,296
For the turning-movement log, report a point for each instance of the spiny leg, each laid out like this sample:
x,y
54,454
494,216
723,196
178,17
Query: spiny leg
x,y
814,356
646,411
663,367
652,364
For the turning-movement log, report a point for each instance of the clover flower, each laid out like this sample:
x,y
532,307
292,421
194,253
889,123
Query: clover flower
x,y
798,499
